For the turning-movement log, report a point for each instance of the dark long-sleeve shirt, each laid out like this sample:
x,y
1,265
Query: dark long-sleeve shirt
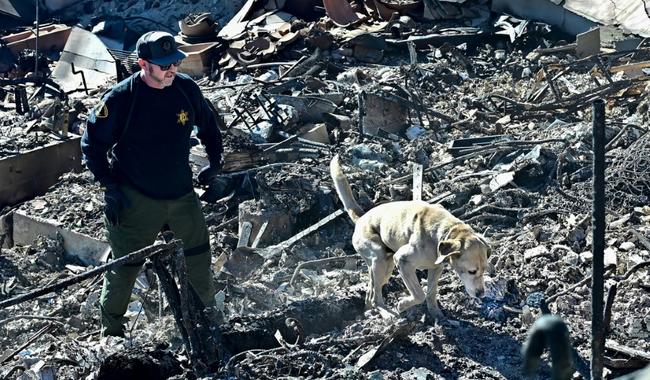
x,y
151,154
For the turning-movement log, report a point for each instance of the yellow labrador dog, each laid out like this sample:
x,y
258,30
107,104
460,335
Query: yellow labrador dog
x,y
412,235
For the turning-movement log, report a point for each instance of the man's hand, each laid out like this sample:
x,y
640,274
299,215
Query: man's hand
x,y
115,201
219,187
208,174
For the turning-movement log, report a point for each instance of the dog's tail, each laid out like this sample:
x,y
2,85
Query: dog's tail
x,y
344,191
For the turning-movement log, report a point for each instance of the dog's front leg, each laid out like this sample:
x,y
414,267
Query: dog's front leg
x,y
403,259
433,275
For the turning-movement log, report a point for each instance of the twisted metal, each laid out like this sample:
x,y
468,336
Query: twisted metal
x,y
279,363
628,180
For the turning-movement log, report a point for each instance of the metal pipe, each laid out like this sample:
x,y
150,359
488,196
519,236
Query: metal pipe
x,y
598,229
36,41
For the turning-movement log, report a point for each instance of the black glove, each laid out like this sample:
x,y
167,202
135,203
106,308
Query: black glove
x,y
208,174
219,187
115,201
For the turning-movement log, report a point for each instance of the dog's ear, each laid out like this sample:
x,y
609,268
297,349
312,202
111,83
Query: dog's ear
x,y
446,250
487,244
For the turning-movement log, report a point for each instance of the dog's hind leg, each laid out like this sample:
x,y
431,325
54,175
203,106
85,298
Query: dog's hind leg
x,y
380,266
390,265
407,269
376,257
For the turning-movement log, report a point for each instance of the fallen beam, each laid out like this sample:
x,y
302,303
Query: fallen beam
x,y
131,257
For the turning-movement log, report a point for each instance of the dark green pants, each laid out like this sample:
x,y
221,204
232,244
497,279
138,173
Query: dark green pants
x,y
138,227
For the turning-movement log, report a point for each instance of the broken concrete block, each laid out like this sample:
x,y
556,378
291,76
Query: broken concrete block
x,y
261,132
627,246
501,180
33,172
535,252
610,256
420,373
26,229
317,133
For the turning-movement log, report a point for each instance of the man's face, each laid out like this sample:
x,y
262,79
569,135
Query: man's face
x,y
162,77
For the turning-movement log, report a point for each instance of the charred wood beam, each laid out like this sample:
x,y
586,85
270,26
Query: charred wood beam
x,y
471,153
29,341
575,101
611,294
304,65
629,351
551,84
133,257
576,285
173,297
598,246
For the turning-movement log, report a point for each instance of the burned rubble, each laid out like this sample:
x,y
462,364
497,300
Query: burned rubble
x,y
454,103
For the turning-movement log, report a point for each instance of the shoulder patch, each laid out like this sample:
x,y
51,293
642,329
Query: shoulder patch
x,y
101,110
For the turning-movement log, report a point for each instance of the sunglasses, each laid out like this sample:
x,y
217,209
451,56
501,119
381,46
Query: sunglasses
x,y
166,67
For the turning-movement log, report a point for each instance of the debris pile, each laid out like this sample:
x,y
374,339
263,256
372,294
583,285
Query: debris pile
x,y
451,103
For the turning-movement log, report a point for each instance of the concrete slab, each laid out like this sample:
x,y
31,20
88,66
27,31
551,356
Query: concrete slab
x,y
26,229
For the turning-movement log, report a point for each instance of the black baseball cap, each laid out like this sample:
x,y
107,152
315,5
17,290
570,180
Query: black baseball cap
x,y
158,48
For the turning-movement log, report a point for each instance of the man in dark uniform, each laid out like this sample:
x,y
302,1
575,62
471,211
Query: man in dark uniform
x,y
137,145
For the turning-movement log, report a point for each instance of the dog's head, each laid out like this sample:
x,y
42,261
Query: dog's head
x,y
467,252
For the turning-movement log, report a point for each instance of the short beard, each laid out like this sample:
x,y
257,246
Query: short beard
x,y
164,82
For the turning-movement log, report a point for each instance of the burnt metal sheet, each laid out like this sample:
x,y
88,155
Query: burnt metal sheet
x,y
630,15
89,55
341,12
15,13
454,36
7,7
237,25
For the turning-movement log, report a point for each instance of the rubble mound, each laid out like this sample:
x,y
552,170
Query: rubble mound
x,y
139,364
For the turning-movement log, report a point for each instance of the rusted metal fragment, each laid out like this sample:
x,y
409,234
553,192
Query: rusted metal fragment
x,y
341,12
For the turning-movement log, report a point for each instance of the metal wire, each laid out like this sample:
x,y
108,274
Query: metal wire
x,y
628,181
280,363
